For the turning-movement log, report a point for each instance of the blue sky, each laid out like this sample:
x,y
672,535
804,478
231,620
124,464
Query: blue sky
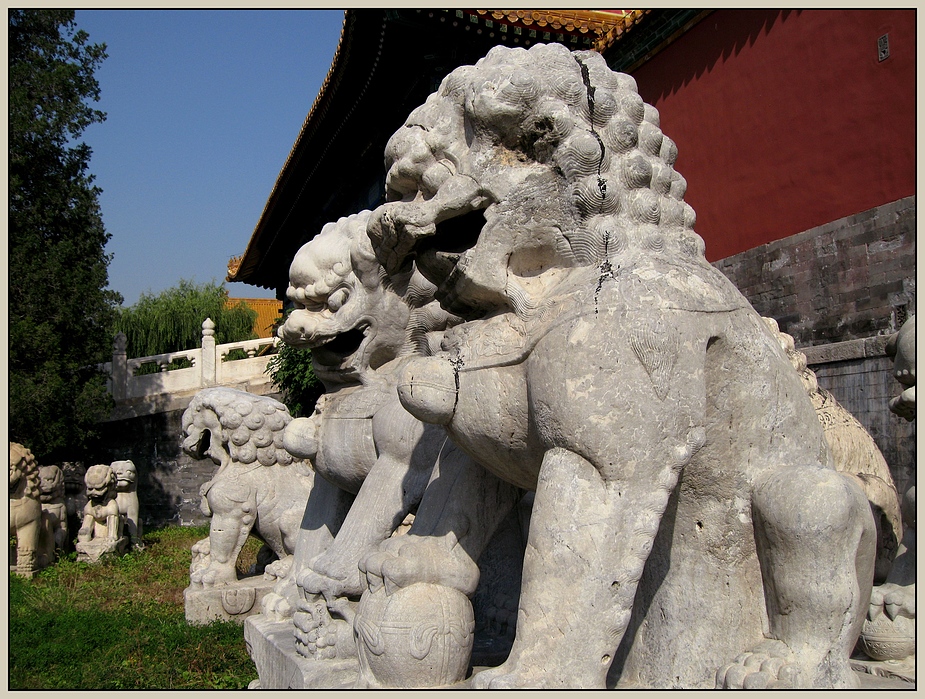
x,y
203,108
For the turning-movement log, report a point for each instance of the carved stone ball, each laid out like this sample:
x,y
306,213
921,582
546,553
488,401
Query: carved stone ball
x,y
419,636
888,639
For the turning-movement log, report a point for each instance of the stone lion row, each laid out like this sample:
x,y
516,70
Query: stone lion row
x,y
557,447
51,505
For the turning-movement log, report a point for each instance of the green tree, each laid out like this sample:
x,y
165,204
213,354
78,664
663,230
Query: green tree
x,y
171,321
61,312
291,372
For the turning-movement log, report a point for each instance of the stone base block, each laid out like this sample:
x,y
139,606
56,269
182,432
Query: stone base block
x,y
233,602
900,673
271,646
91,551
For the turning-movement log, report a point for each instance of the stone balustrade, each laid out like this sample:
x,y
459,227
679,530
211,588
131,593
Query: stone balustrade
x,y
138,390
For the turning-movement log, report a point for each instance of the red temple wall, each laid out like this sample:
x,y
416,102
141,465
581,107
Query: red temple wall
x,y
785,119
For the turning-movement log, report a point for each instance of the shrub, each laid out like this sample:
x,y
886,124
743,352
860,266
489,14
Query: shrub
x,y
292,374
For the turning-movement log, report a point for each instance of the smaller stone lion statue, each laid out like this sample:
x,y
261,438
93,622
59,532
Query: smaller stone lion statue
x,y
101,532
25,510
53,540
259,488
127,497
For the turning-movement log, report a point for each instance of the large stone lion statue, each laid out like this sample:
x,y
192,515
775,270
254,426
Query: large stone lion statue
x,y
259,488
25,510
688,529
54,537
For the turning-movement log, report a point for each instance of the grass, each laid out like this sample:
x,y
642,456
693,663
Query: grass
x,y
119,624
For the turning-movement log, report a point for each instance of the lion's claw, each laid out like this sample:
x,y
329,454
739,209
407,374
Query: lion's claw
x,y
406,560
769,666
213,575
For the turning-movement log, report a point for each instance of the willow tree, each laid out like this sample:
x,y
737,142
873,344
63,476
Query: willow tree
x,y
61,312
171,321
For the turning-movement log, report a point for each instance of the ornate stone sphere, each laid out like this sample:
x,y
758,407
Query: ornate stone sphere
x,y
419,636
888,639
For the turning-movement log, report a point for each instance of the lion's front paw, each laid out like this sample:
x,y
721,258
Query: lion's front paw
x,y
770,665
200,557
213,575
314,583
278,569
509,676
203,547
406,560
892,600
319,636
904,404
339,577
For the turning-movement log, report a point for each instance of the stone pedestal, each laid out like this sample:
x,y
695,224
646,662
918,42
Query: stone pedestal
x,y
92,551
897,674
233,602
271,645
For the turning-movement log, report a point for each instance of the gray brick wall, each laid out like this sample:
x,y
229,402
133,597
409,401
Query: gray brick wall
x,y
864,387
168,479
848,279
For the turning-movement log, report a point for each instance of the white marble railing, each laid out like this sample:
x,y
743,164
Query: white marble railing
x,y
209,365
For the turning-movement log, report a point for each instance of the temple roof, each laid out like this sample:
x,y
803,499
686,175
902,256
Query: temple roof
x,y
368,92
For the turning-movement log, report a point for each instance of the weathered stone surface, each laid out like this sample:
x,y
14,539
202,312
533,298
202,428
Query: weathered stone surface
x,y
855,453
688,527
374,460
605,364
127,498
234,601
271,646
53,540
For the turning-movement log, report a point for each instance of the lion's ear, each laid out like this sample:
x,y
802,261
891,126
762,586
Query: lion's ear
x,y
362,256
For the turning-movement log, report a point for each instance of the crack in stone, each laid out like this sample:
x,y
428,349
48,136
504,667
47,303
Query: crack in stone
x,y
457,363
607,270
590,89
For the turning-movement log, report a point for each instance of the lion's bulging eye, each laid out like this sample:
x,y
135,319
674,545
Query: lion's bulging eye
x,y
337,299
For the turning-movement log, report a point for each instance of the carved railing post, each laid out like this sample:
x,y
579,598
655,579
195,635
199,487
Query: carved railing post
x,y
119,367
208,352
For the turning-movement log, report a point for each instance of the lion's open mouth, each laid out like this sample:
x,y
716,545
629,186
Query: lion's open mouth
x,y
334,352
437,257
196,447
